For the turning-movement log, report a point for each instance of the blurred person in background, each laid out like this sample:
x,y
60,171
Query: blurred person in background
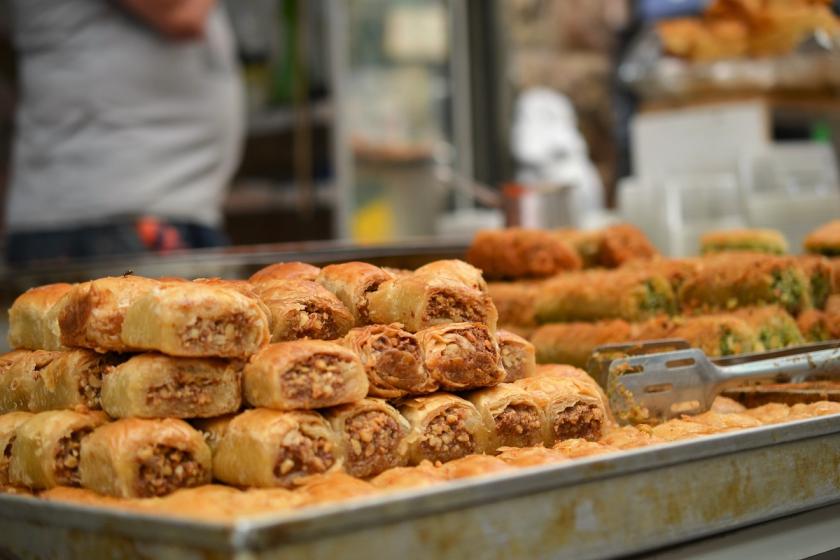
x,y
129,126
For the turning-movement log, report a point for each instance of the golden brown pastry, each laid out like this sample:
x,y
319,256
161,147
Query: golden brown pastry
x,y
825,240
457,270
72,379
47,448
208,502
285,271
573,409
630,437
474,465
392,360
20,372
196,320
461,356
770,413
139,458
573,343
156,386
677,429
265,448
373,435
91,315
320,489
32,322
578,448
304,374
725,405
518,355
443,427
716,335
303,309
621,244
515,303
422,300
818,408
351,283
85,497
531,456
213,429
260,501
8,425
401,478
512,416
521,253
724,421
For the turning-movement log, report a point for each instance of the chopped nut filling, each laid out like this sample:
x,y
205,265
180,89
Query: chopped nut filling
x,y
67,458
579,421
447,305
373,438
4,460
319,377
185,390
519,425
301,455
446,436
228,332
316,322
164,469
397,360
470,358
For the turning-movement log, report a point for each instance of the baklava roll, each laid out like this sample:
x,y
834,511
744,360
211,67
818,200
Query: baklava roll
x,y
196,320
818,326
725,405
512,416
139,458
676,271
265,448
33,318
678,429
373,435
592,295
573,409
753,240
9,424
320,489
621,244
157,386
461,356
47,448
352,282
825,240
774,327
731,280
770,413
304,309
724,422
630,437
573,343
401,478
578,448
521,253
518,356
716,335
73,378
304,374
515,303
419,301
392,360
91,315
457,270
285,271
474,465
20,374
523,457
821,278
443,427
583,378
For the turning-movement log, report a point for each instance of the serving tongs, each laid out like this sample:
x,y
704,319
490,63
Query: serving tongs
x,y
657,380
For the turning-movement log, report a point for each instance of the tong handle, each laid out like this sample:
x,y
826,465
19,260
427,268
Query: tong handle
x,y
807,364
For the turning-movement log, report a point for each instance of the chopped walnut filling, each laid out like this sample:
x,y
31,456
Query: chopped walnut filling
x,y
164,469
301,455
4,460
397,360
444,304
363,306
316,322
373,438
67,458
519,425
469,358
183,389
579,421
318,377
225,333
446,436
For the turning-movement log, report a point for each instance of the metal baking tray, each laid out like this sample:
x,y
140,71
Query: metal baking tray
x,y
605,506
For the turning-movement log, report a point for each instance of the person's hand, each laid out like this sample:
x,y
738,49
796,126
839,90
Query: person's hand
x,y
177,19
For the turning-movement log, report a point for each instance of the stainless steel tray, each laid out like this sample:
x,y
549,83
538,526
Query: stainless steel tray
x,y
604,506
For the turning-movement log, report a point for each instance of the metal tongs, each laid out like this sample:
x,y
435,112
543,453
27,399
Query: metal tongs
x,y
661,379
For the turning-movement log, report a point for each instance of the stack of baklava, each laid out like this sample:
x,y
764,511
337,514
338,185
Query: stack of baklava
x,y
135,387
741,296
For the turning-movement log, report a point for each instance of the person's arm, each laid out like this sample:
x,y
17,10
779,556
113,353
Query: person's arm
x,y
178,19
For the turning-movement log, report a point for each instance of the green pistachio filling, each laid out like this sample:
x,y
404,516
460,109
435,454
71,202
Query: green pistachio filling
x,y
820,290
788,289
750,246
655,301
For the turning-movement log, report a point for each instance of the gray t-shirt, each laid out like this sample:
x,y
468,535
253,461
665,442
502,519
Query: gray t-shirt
x,y
117,121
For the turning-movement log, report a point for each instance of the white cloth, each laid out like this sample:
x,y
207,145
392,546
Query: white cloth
x,y
116,120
